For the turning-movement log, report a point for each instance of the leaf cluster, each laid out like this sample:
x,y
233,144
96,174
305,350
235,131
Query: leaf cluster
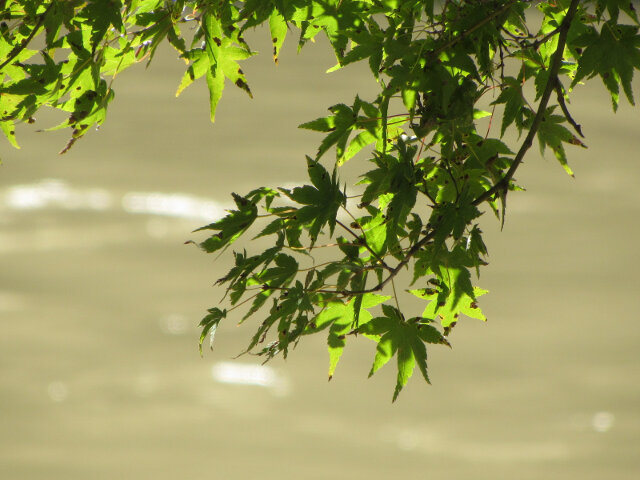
x,y
455,78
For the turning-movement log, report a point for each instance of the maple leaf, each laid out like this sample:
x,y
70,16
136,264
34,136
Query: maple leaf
x,y
553,133
342,318
321,200
406,339
613,54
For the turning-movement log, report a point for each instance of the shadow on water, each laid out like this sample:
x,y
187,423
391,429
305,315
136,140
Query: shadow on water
x,y
99,301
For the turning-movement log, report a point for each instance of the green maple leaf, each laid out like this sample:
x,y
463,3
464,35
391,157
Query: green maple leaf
x,y
342,123
272,279
342,318
230,227
613,54
334,18
443,303
279,275
614,7
278,30
321,200
395,180
339,125
406,339
450,219
209,325
217,60
101,14
453,294
513,99
365,45
553,133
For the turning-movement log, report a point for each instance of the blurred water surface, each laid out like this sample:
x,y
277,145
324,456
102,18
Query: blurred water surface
x,y
99,301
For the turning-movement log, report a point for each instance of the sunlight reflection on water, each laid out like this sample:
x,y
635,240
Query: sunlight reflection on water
x,y
57,194
53,193
251,374
175,324
172,205
602,421
57,391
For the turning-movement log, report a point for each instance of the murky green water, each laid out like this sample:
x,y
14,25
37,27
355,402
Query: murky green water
x,y
99,299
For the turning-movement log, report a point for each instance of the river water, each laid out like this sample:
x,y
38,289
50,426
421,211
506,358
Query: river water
x,y
100,298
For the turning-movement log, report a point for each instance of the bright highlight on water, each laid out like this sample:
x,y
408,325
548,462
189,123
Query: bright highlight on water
x,y
58,194
251,374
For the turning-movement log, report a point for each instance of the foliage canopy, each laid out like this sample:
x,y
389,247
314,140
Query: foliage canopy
x,y
455,77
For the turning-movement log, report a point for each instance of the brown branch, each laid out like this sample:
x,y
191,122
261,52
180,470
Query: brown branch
x,y
556,61
540,41
577,127
392,273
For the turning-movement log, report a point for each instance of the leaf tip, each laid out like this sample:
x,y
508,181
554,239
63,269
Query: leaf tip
x,y
396,393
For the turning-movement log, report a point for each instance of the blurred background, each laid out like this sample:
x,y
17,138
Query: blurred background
x,y
100,300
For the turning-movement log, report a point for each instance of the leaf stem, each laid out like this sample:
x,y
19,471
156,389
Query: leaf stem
x,y
245,301
395,295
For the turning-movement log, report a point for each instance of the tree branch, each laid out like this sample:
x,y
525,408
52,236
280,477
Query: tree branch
x,y
392,272
563,105
556,61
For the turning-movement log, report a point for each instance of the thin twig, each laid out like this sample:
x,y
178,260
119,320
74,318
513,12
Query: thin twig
x,y
540,41
577,127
